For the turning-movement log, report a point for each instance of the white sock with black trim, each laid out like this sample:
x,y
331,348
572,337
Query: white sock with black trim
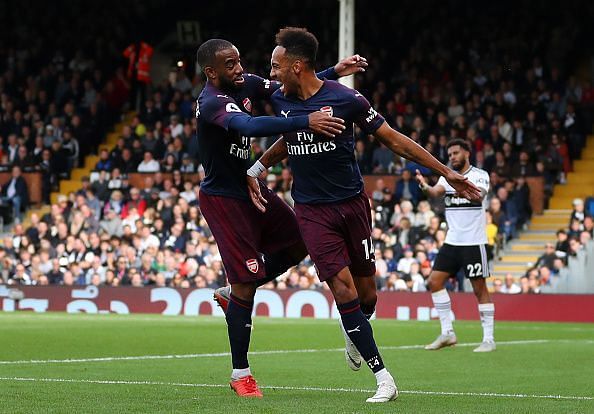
x,y
443,305
487,313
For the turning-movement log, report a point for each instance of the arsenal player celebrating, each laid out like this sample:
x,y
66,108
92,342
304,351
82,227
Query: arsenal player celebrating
x,y
332,208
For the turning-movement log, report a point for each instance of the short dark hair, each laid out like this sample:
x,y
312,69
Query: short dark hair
x,y
459,141
299,43
207,51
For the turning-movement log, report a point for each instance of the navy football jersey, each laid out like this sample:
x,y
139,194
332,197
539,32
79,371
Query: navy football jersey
x,y
324,169
225,154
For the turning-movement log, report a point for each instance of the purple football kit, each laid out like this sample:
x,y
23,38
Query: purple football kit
x,y
332,208
243,234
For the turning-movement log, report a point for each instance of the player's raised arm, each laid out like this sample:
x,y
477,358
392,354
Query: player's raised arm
x,y
350,65
407,148
273,155
345,67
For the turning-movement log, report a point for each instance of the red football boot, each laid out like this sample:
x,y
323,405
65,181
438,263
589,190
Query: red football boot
x,y
246,387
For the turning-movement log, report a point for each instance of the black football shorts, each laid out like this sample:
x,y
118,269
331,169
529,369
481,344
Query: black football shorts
x,y
472,259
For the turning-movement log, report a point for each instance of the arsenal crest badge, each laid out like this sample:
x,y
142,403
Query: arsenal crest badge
x,y
327,109
252,265
247,104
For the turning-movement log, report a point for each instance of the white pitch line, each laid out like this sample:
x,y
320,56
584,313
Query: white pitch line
x,y
149,357
469,344
270,352
293,388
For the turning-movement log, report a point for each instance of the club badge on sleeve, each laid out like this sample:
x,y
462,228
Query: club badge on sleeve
x,y
247,104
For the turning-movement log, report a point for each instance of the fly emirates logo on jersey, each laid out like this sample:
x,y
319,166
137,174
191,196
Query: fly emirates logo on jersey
x,y
305,144
305,140
241,150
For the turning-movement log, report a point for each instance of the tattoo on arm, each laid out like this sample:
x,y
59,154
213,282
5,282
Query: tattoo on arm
x,y
275,154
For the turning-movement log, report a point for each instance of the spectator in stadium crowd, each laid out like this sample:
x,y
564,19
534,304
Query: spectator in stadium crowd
x,y
588,225
382,160
585,237
492,236
407,188
547,282
578,213
424,215
15,193
70,147
135,202
562,245
575,228
187,165
574,247
548,257
497,286
105,163
511,287
24,159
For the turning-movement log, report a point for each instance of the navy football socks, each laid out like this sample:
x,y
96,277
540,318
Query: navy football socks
x,y
359,330
367,310
239,326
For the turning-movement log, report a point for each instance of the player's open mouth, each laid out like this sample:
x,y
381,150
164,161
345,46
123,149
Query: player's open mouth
x,y
239,80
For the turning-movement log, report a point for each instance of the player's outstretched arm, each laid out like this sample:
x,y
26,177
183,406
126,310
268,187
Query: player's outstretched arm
x,y
407,148
260,126
273,155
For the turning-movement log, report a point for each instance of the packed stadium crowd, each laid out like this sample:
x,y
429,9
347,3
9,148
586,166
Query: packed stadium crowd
x,y
521,110
58,98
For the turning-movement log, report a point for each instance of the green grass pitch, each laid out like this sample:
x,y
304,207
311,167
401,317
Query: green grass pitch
x,y
537,368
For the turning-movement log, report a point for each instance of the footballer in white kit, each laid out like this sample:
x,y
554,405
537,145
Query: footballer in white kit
x,y
464,248
467,236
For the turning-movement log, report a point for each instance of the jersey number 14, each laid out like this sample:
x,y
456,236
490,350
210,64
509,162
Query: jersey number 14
x,y
369,249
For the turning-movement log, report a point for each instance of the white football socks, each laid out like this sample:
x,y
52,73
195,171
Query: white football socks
x,y
487,313
443,305
240,373
382,376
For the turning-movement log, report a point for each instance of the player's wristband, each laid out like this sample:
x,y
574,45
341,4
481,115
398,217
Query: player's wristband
x,y
256,169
